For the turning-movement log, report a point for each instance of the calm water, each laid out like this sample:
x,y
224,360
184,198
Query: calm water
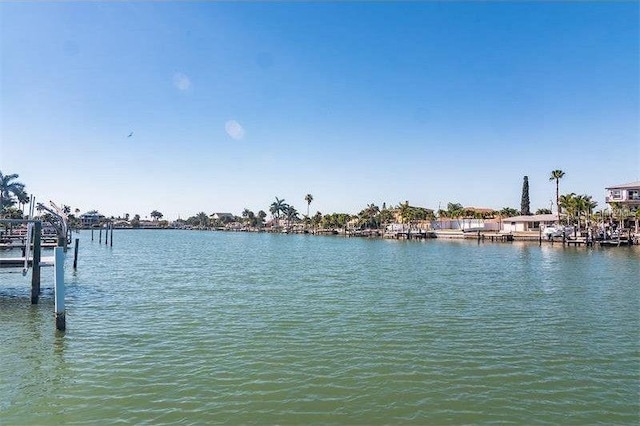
x,y
193,327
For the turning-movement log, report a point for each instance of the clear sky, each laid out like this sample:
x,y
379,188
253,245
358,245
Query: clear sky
x,y
233,104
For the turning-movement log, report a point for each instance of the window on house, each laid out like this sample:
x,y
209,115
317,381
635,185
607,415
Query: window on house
x,y
634,194
616,194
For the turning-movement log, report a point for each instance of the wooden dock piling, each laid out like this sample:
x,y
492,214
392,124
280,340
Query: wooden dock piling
x,y
75,254
59,289
35,269
111,245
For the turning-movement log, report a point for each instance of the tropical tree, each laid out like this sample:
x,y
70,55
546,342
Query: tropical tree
x,y
291,214
155,215
249,217
543,211
23,199
386,216
261,216
567,205
557,175
8,188
455,211
317,219
508,212
202,219
369,217
308,198
405,212
335,220
278,207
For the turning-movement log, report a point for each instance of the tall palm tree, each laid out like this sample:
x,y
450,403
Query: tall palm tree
x,y
8,188
308,198
557,175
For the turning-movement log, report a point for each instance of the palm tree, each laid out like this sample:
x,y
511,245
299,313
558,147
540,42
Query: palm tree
x,y
278,207
454,211
23,199
317,219
369,216
8,188
291,213
406,214
203,219
308,198
568,204
557,175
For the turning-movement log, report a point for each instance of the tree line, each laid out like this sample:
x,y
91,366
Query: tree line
x,y
577,209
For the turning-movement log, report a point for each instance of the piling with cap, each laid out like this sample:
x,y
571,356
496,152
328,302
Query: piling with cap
x,y
59,289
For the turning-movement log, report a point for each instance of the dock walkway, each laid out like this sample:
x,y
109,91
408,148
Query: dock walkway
x,y
16,262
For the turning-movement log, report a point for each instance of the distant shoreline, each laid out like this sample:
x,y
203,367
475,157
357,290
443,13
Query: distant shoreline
x,y
479,236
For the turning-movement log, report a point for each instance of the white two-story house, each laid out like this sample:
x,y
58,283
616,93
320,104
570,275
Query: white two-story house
x,y
625,195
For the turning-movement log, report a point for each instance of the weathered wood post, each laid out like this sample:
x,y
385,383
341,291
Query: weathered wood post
x,y
35,265
106,234
59,287
75,254
91,234
540,234
100,236
111,245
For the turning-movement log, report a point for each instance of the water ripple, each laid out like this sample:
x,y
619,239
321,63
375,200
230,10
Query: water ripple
x,y
244,328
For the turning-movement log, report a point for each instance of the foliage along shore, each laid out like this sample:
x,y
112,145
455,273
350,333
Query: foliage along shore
x,y
571,209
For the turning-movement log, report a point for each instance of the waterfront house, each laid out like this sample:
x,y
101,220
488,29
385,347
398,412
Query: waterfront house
x,y
222,217
526,223
625,195
91,218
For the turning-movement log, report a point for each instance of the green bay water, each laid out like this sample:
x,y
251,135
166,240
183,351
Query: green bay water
x,y
186,327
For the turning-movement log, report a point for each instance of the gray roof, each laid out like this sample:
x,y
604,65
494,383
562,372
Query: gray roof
x,y
625,185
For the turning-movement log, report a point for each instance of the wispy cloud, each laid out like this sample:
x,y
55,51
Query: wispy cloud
x,y
234,129
181,81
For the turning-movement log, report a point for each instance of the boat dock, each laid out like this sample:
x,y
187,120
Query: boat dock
x,y
32,258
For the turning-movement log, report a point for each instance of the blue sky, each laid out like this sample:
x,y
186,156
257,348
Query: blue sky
x,y
233,104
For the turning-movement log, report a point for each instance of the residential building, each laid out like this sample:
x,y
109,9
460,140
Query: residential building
x,y
528,223
91,218
625,195
223,217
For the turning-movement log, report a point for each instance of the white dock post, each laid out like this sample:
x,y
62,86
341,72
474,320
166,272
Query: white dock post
x,y
59,288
